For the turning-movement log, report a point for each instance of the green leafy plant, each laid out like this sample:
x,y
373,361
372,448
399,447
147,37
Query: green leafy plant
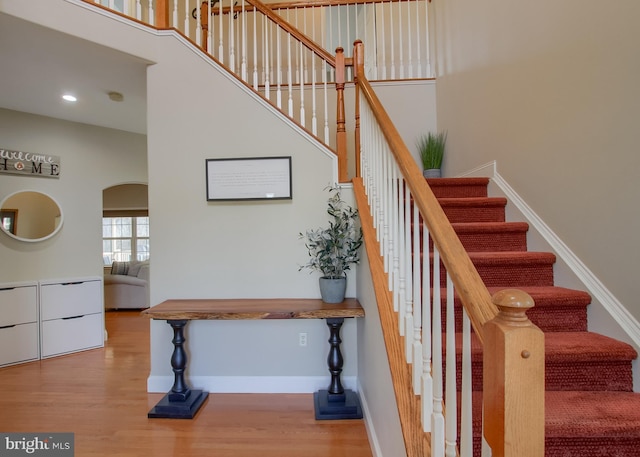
x,y
431,148
334,249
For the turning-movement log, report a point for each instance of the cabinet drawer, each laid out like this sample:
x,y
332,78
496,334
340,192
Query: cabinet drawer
x,y
18,305
70,299
18,343
61,336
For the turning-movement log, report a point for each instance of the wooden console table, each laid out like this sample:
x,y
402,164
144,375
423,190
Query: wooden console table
x,y
183,403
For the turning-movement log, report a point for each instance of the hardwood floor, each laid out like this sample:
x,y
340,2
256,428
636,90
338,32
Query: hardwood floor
x,y
100,395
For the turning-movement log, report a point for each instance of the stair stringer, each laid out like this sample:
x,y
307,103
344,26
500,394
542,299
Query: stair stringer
x,y
606,314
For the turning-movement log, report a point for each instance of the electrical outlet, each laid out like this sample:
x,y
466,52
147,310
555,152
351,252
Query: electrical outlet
x,y
302,339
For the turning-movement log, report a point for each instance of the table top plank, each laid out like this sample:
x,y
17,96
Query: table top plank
x,y
251,309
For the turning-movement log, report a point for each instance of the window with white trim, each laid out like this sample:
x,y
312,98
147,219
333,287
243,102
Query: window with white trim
x,y
125,238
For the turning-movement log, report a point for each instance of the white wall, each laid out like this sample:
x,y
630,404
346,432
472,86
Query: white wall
x,y
549,91
238,249
91,158
374,375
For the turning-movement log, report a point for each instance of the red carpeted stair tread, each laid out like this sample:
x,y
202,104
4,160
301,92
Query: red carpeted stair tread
x,y
492,236
556,309
573,361
592,414
480,209
553,295
586,347
514,268
458,187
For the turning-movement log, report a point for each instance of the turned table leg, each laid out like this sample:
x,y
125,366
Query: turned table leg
x,y
336,402
181,402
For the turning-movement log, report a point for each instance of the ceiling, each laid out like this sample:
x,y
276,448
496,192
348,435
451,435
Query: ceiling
x,y
38,65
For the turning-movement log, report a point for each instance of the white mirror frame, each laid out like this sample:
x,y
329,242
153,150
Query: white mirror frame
x,y
57,228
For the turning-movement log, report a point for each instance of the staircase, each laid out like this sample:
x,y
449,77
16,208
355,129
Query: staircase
x,y
591,409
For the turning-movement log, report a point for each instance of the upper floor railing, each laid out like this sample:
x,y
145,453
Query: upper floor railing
x,y
395,31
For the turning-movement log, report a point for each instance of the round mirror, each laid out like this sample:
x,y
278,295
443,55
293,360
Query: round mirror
x,y
30,216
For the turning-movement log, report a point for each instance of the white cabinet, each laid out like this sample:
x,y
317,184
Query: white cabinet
x,y
18,323
71,316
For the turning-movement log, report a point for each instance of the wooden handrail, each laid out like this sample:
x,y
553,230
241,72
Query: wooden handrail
x,y
468,284
267,11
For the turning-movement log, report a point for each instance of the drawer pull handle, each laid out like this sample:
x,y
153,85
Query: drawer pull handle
x,y
7,288
8,326
71,283
72,317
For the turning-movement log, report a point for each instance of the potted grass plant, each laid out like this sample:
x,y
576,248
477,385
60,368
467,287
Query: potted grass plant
x,y
333,249
431,149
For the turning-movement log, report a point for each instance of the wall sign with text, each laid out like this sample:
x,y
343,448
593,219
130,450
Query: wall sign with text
x,y
254,178
29,163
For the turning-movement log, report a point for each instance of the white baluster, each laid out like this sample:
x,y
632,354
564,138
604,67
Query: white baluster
x,y
278,69
437,417
209,27
393,42
198,26
187,15
326,109
174,20
451,400
417,304
399,251
243,64
418,39
221,35
152,16
400,40
427,380
301,63
314,119
408,330
429,69
267,60
406,271
232,45
466,415
289,75
383,43
139,10
255,49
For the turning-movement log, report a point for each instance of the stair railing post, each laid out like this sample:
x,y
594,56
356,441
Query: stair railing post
x,y
513,379
341,131
358,70
162,14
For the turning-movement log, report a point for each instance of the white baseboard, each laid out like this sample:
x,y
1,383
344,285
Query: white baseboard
x,y
251,384
368,423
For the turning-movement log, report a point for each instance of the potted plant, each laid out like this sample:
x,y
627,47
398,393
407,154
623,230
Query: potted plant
x,y
332,250
431,149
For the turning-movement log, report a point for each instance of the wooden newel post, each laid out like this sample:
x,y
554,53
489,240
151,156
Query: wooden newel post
x,y
513,377
358,71
162,14
341,130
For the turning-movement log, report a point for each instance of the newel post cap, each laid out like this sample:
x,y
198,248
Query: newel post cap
x,y
513,305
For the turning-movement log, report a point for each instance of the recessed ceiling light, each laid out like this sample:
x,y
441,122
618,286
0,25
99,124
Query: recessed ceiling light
x,y
69,98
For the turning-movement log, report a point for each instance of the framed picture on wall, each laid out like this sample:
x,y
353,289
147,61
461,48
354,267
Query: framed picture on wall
x,y
252,178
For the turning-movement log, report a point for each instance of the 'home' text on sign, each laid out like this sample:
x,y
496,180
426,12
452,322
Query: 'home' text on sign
x,y
29,163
